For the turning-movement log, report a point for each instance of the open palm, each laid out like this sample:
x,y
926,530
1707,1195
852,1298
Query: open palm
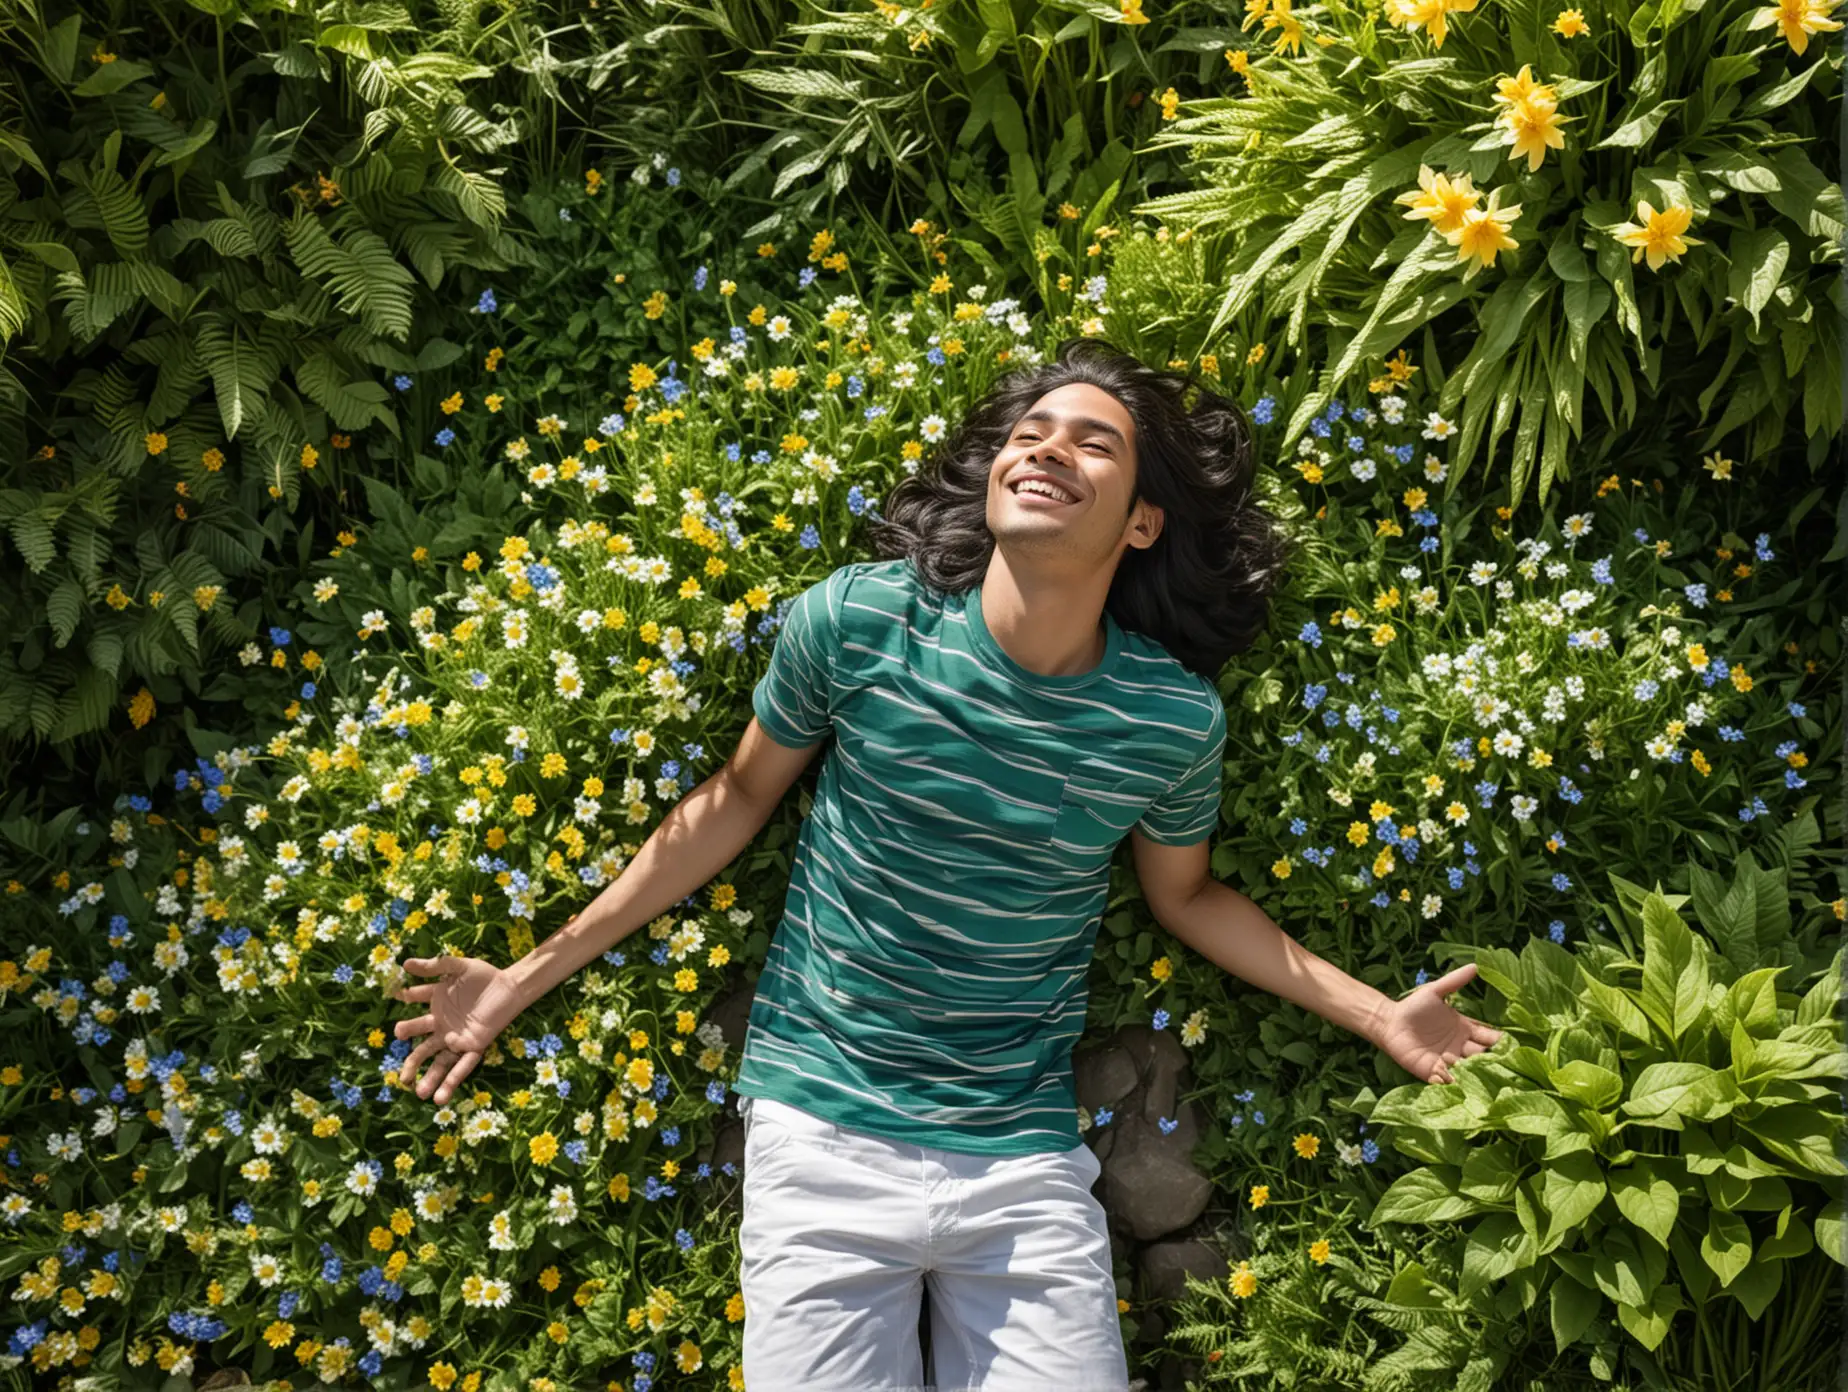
x,y
1423,1035
471,1002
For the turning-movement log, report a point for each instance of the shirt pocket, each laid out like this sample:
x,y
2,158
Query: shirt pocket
x,y
1099,805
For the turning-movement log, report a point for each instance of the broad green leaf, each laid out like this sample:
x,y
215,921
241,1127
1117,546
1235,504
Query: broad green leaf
x,y
1727,1247
1803,1136
1495,1247
1571,1188
1491,1172
1411,1287
1589,1084
112,77
1427,1195
1628,1269
1669,1091
1648,1321
1646,1197
1757,1286
1572,1308
1639,129
1674,969
1832,1229
1617,1005
1820,1002
1759,256
1791,1238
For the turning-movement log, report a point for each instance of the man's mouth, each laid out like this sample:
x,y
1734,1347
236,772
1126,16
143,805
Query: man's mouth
x,y
1042,493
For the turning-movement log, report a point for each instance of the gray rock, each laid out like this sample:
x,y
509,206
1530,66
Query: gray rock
x,y
1150,1188
1167,1265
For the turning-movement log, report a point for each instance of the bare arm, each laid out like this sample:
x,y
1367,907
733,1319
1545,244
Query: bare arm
x,y
703,834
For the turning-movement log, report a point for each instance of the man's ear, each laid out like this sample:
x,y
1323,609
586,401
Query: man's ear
x,y
1145,526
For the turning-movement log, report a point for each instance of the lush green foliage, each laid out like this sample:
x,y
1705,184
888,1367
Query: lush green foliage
x,y
201,317
1558,1156
516,606
1344,193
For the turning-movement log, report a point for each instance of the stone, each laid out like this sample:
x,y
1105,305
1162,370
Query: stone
x,y
1150,1187
1167,1265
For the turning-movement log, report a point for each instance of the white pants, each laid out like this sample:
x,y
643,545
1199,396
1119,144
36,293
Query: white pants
x,y
841,1230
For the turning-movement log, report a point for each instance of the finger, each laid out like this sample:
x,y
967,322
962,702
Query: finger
x,y
1472,1047
418,995
1442,1075
1453,980
424,966
434,1074
457,1073
1484,1034
411,1029
418,1057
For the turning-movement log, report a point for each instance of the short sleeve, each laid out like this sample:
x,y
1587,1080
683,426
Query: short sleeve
x,y
1189,811
792,700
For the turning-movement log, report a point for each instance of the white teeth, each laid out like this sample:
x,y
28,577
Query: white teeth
x,y
1052,491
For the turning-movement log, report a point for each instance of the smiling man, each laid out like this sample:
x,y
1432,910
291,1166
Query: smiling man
x,y
1026,680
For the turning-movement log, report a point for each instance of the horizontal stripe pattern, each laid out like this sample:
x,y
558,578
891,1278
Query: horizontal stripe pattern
x,y
928,979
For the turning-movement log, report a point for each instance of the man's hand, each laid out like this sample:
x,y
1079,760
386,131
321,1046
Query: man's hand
x,y
471,1002
1424,1036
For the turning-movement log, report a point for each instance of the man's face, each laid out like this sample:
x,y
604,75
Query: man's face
x,y
1061,484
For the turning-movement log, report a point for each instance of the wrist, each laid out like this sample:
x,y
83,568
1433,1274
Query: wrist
x,y
1374,1014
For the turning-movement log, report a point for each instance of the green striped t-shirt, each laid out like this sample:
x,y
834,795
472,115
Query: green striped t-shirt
x,y
927,981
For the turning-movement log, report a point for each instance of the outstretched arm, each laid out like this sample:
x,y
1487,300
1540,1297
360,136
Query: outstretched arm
x,y
1421,1033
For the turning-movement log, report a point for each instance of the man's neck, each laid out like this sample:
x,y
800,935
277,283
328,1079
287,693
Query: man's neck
x,y
1051,624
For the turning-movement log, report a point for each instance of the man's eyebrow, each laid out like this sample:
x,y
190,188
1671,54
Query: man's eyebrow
x,y
1082,422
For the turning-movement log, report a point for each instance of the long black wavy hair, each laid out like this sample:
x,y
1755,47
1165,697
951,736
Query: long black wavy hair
x,y
1203,590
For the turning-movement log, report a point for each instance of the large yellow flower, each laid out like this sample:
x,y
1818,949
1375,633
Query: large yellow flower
x,y
1797,20
1533,127
1658,235
1521,87
1440,198
1429,15
1484,233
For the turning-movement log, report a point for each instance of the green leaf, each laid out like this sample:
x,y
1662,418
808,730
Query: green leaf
x,y
112,77
1628,1270
1666,1092
1644,1195
1832,1230
1727,1247
1572,1308
1648,1321
1759,256
1616,1006
1674,969
1496,1247
1803,1136
1758,1286
1639,128
1572,1187
64,609
1424,1195
1586,1082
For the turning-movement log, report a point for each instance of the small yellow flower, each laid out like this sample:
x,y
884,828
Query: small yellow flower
x,y
1161,969
1484,233
1661,236
1307,1145
156,442
141,708
1260,1195
1717,464
1440,199
1244,1281
1570,24
1796,20
1318,1250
